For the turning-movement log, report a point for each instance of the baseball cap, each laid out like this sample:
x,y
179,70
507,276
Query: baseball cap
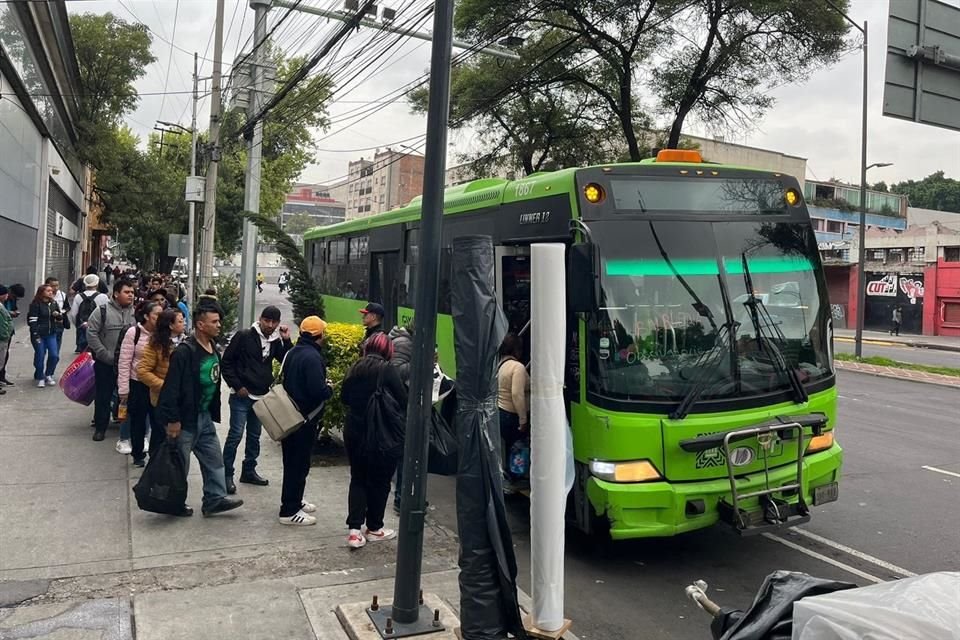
x,y
374,308
91,280
3,290
271,313
313,325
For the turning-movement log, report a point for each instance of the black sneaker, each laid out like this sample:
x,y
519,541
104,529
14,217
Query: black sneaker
x,y
231,486
225,504
98,436
186,512
252,477
140,463
6,382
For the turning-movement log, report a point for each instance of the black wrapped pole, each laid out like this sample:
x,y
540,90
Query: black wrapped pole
x,y
488,567
406,590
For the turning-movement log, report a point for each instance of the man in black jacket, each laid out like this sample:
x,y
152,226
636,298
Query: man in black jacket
x,y
190,404
372,320
248,371
305,381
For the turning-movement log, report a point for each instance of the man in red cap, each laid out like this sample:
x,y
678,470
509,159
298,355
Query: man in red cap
x,y
373,315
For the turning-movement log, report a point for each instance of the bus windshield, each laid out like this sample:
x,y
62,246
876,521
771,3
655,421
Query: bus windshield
x,y
673,289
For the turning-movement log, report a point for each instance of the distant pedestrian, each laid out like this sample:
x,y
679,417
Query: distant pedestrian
x,y
248,371
45,319
14,292
80,284
190,404
6,330
83,306
132,391
260,281
60,298
153,366
896,320
104,327
305,380
370,471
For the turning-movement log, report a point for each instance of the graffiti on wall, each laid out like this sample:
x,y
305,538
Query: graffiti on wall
x,y
912,288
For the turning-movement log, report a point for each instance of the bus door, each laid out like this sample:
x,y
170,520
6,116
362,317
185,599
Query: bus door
x,y
513,290
384,284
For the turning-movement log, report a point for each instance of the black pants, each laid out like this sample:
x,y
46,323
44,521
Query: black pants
x,y
106,383
297,448
369,482
158,432
139,410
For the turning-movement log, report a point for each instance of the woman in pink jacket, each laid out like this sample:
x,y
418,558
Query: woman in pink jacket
x,y
134,393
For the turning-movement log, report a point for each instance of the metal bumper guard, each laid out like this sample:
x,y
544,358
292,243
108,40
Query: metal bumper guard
x,y
775,512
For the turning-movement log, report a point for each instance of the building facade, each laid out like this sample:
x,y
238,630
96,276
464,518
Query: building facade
x,y
391,180
315,200
43,184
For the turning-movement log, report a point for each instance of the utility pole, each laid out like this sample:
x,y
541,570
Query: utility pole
x,y
251,182
192,222
406,607
862,249
210,195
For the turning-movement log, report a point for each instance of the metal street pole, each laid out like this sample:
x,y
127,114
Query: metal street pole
x,y
251,182
862,249
210,194
406,605
192,223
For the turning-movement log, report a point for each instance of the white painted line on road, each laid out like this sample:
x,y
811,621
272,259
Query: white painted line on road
x,y
856,554
823,558
949,473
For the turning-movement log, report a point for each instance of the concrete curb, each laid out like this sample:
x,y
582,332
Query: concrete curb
x,y
933,346
890,372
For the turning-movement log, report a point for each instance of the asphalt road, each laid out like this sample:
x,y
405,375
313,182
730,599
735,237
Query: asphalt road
x,y
893,517
912,355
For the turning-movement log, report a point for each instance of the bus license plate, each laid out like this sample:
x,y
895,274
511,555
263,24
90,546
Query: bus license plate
x,y
826,493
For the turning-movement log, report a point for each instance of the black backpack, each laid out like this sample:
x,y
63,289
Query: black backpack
x,y
386,422
116,349
87,305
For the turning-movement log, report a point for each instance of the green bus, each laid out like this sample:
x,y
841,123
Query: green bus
x,y
699,379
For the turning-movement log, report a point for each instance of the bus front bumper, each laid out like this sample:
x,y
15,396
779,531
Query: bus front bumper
x,y
662,509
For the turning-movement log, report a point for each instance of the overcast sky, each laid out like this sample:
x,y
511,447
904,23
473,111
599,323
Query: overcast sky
x,y
819,120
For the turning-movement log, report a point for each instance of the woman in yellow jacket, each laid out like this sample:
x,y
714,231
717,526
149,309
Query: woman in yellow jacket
x,y
152,368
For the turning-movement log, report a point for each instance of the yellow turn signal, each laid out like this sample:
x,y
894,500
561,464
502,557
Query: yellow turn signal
x,y
593,193
792,196
640,471
820,442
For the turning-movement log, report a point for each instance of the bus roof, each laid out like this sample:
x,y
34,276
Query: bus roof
x,y
485,192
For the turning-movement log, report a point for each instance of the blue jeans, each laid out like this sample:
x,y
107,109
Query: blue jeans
x,y
242,416
47,349
204,444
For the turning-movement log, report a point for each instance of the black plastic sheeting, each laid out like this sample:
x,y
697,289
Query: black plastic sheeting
x,y
488,567
770,617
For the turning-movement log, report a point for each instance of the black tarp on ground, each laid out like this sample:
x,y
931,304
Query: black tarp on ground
x,y
488,567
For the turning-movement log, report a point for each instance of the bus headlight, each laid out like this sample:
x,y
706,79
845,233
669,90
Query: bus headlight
x,y
821,442
632,471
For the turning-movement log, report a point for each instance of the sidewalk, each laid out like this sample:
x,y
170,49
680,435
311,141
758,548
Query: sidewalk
x,y
882,338
898,374
79,560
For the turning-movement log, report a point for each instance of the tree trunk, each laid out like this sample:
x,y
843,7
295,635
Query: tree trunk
x,y
677,128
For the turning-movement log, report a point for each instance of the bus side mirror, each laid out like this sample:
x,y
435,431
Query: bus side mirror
x,y
582,290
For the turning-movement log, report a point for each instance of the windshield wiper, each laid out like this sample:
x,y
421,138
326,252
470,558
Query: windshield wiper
x,y
768,344
708,363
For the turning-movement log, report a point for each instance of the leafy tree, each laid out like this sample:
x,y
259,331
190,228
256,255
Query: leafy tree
x,y
880,186
304,293
287,150
299,224
112,55
936,191
726,54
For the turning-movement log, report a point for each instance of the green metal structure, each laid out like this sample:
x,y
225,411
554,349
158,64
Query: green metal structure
x,y
700,383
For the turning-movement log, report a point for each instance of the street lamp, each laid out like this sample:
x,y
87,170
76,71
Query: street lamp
x,y
880,164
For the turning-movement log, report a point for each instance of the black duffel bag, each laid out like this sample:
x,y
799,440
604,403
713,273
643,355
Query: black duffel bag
x,y
163,486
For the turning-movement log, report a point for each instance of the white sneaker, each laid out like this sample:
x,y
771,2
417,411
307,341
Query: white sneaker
x,y
299,519
382,534
40,384
51,381
308,507
355,540
124,447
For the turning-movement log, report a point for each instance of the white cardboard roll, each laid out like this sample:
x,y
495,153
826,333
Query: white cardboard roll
x,y
549,433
